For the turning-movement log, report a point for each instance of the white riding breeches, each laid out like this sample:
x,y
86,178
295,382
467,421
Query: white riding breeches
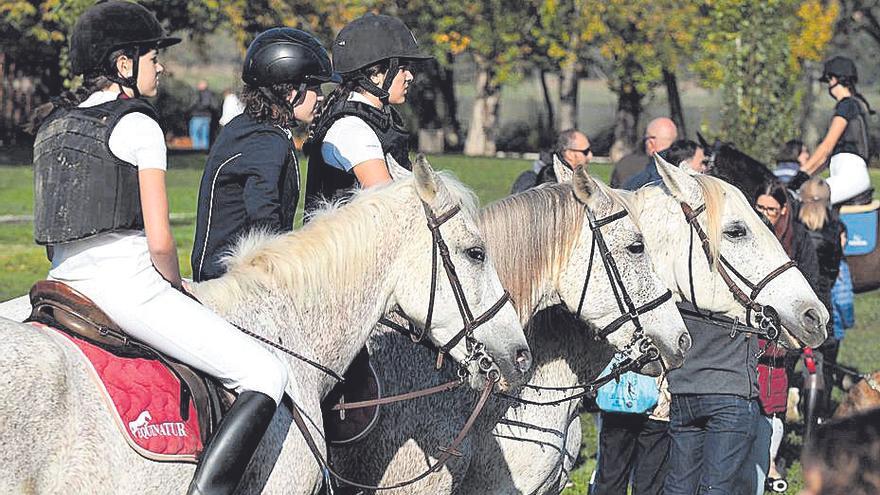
x,y
849,177
148,308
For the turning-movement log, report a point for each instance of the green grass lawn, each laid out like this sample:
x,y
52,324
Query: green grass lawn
x,y
21,262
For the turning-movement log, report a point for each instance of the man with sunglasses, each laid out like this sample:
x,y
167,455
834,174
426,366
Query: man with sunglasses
x,y
251,178
573,149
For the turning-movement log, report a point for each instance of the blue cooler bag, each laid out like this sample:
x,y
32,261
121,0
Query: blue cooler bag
x,y
632,393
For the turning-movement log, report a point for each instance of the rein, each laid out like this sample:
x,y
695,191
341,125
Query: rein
x,y
649,353
767,317
445,452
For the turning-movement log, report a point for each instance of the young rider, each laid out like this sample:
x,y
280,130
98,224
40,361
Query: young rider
x,y
106,221
846,142
357,126
251,179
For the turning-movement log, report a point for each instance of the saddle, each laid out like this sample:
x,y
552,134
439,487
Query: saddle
x,y
62,307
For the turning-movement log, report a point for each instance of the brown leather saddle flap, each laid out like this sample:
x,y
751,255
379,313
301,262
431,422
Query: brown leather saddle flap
x,y
61,306
361,383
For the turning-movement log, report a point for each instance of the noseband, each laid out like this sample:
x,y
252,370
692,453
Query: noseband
x,y
628,310
767,318
476,349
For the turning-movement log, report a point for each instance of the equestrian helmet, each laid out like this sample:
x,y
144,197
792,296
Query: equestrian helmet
x,y
287,55
841,68
371,39
110,26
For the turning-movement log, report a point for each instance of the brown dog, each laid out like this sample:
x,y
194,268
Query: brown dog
x,y
863,396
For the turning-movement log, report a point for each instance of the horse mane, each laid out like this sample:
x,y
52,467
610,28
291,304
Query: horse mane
x,y
531,235
340,243
713,197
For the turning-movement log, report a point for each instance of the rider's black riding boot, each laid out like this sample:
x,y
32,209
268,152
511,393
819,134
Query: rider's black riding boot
x,y
224,461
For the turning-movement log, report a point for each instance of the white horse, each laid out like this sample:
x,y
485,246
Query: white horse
x,y
318,291
533,448
540,241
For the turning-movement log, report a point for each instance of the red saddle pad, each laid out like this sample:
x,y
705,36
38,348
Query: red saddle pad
x,y
144,398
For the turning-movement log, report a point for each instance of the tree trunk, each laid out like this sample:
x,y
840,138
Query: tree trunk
x,y
481,131
446,86
568,97
551,119
675,111
626,124
807,128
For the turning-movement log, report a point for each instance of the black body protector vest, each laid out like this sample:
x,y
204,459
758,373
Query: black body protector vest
x,y
80,188
855,138
326,181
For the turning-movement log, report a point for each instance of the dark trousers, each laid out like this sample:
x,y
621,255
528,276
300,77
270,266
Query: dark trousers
x,y
711,439
631,446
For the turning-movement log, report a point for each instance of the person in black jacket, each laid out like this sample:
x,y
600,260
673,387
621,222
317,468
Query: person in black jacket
x,y
251,180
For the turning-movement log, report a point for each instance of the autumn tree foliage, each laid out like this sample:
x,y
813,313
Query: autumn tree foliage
x,y
755,51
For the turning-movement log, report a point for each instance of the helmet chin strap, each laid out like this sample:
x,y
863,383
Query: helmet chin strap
x,y
382,93
830,88
129,82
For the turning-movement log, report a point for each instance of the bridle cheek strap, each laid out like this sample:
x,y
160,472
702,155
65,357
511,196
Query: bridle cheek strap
x,y
470,324
628,310
747,301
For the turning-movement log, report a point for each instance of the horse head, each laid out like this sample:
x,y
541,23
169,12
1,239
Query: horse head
x,y
606,276
736,242
447,285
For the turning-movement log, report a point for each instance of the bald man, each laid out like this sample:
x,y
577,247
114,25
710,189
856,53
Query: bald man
x,y
659,135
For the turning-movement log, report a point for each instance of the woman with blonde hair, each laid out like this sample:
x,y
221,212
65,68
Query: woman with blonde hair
x,y
824,230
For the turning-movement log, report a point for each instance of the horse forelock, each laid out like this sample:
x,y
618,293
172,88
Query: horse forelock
x,y
530,237
713,197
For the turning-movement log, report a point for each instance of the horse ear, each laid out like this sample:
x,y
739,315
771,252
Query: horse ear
x,y
685,167
395,169
680,184
703,143
563,173
425,179
587,190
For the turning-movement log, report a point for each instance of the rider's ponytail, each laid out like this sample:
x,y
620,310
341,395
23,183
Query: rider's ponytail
x,y
91,83
68,99
851,85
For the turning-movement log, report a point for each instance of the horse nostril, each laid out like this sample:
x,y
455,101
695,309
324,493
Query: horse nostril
x,y
811,319
523,360
684,342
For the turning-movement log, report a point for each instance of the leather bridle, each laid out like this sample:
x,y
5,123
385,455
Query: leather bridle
x,y
767,318
629,311
476,350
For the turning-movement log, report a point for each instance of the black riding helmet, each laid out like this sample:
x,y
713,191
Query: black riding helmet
x,y
369,40
287,56
842,68
110,26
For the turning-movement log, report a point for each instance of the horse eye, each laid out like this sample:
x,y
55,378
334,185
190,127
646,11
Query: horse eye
x,y
476,254
636,248
735,232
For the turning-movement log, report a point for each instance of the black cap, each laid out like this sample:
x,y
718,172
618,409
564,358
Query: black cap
x,y
371,39
287,55
840,67
110,26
